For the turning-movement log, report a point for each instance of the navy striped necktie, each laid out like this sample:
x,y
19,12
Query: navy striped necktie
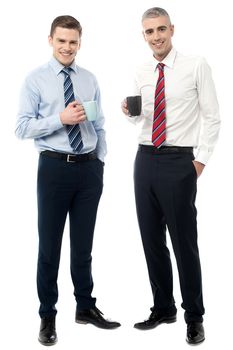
x,y
159,120
74,132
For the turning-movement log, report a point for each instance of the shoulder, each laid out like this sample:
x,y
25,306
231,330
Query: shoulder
x,y
144,69
145,66
38,78
38,71
190,60
194,65
86,78
38,74
86,73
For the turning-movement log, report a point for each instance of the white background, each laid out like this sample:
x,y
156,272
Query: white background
x,y
112,45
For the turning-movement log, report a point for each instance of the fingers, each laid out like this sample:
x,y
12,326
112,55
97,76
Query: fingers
x,y
78,114
73,104
124,107
124,104
76,111
73,114
76,105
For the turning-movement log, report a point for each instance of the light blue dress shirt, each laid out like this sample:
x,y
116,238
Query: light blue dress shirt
x,y
42,101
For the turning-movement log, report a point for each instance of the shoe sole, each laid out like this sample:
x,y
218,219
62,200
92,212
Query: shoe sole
x,y
195,344
166,321
93,324
81,322
47,344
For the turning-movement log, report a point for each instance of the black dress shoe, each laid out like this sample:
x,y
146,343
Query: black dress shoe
x,y
95,317
154,320
47,335
195,333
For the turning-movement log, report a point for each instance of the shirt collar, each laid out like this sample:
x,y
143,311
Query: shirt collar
x,y
168,60
57,66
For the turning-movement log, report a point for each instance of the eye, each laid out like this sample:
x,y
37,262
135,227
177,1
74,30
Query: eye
x,y
162,29
149,31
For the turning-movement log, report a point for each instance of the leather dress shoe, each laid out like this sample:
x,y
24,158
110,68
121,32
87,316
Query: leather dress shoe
x,y
94,316
195,333
47,335
154,320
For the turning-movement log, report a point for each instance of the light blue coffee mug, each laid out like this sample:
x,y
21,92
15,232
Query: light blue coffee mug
x,y
90,108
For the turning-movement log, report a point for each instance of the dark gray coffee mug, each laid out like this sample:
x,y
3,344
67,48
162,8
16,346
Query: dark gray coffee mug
x,y
134,105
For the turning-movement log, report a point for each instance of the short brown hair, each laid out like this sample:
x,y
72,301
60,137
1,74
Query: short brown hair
x,y
68,22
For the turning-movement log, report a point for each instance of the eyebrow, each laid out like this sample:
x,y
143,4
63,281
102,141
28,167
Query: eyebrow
x,y
162,27
149,30
71,41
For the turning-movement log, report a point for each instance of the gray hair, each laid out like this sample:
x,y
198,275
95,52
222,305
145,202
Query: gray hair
x,y
155,12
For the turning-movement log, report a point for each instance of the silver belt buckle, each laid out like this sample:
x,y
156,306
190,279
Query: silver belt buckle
x,y
69,158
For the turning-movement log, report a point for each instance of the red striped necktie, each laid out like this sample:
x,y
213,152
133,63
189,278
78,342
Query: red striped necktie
x,y
159,121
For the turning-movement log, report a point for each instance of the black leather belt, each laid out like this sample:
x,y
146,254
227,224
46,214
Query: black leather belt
x,y
71,158
165,149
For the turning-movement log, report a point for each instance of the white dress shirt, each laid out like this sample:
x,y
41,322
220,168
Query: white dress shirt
x,y
192,112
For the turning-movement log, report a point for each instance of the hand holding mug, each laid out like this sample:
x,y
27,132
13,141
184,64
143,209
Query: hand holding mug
x,y
132,105
72,114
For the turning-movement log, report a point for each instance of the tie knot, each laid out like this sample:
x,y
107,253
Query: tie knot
x,y
161,66
66,70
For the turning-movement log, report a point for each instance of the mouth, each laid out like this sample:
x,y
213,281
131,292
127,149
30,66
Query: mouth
x,y
65,54
158,45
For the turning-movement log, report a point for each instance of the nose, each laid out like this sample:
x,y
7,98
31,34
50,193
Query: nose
x,y
67,46
156,35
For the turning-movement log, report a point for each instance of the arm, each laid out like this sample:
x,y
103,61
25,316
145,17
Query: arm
x,y
101,146
124,107
209,110
30,124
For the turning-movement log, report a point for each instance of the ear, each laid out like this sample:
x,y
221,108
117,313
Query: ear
x,y
144,36
172,29
50,40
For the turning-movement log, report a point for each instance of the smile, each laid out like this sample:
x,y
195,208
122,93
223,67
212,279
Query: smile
x,y
65,54
158,45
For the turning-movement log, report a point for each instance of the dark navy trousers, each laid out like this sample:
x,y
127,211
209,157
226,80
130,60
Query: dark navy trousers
x,y
165,192
73,189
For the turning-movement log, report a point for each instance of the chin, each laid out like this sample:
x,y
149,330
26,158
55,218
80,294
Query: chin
x,y
66,63
160,55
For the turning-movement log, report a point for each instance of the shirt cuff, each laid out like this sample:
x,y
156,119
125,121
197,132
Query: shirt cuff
x,y
203,156
57,121
133,119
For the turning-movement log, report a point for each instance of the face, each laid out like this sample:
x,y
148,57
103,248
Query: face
x,y
158,32
65,43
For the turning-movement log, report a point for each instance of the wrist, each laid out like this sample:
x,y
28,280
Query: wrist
x,y
62,118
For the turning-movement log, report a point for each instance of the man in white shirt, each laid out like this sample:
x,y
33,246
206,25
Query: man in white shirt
x,y
179,113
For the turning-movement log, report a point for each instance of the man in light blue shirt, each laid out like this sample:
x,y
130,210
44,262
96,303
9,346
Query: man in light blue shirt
x,y
70,178
42,101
